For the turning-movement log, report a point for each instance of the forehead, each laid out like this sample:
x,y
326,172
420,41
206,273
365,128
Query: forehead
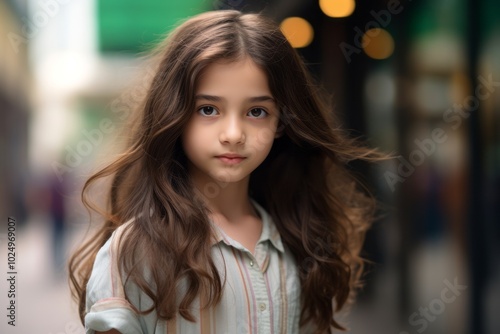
x,y
241,77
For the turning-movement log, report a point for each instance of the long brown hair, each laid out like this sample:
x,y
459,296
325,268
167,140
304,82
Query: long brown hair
x,y
304,184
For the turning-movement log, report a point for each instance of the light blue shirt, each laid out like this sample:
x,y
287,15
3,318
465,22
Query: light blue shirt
x,y
261,294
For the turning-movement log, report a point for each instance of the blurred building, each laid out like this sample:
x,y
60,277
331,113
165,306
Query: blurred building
x,y
15,102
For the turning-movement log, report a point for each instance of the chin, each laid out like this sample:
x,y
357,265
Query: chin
x,y
229,177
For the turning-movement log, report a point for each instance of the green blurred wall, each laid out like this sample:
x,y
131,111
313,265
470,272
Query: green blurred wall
x,y
133,26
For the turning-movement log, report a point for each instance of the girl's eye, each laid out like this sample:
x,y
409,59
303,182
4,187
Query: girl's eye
x,y
258,113
207,111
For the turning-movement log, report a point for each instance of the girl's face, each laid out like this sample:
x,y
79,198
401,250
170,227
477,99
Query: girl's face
x,y
233,126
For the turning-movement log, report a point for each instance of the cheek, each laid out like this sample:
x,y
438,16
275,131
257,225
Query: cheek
x,y
264,138
194,141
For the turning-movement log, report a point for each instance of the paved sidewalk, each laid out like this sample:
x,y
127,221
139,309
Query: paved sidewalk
x,y
43,303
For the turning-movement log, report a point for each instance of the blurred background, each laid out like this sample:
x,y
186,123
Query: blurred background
x,y
420,79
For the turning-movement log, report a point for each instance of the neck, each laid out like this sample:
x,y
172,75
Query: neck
x,y
227,200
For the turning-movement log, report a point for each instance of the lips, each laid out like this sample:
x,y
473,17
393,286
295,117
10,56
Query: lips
x,y
231,158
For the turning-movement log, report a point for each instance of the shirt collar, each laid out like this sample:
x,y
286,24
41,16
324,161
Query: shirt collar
x,y
269,230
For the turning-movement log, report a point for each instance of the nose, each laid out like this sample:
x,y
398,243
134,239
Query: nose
x,y
232,131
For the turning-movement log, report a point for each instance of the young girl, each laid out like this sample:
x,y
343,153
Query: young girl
x,y
232,211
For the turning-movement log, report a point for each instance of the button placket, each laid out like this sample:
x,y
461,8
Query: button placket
x,y
259,285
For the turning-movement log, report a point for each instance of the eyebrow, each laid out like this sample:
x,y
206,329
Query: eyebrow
x,y
214,98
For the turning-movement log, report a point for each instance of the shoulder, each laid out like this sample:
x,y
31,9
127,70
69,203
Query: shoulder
x,y
107,254
105,276
107,304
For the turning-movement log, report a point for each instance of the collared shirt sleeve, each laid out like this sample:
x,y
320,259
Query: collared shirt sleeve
x,y
106,305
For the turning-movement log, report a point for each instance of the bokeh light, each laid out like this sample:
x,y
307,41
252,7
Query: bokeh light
x,y
378,43
337,8
298,31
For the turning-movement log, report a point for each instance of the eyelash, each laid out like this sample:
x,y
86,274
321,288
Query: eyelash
x,y
215,109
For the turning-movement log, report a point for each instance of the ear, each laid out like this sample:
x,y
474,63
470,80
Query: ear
x,y
280,131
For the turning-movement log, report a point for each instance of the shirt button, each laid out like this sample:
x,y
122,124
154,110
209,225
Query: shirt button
x,y
251,263
262,306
